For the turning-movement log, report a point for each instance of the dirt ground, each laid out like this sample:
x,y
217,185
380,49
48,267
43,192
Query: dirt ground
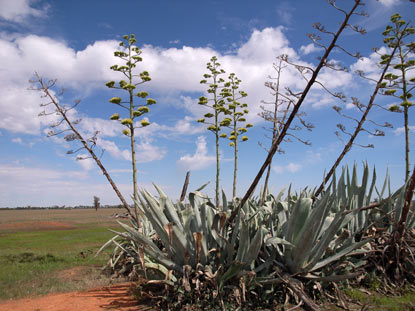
x,y
112,297
115,297
35,226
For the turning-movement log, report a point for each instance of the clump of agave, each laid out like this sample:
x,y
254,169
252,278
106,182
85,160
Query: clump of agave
x,y
193,251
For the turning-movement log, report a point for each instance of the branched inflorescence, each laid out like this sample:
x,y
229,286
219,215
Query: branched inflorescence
x,y
131,56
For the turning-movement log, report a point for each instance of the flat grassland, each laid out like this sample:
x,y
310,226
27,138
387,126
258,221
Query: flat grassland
x,y
52,250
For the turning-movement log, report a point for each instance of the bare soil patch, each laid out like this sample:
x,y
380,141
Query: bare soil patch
x,y
35,226
115,297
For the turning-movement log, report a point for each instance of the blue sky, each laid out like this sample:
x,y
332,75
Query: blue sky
x,y
74,42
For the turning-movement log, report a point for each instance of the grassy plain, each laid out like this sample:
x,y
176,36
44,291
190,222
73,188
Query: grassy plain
x,y
44,251
47,251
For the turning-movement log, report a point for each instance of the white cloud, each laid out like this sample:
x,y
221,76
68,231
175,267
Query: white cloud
x,y
113,150
185,126
290,168
285,12
18,10
17,140
88,69
106,128
200,159
86,162
309,48
369,65
17,118
401,130
147,152
313,156
389,3
50,187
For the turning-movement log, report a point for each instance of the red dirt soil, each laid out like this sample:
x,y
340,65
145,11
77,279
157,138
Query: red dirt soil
x,y
36,226
116,297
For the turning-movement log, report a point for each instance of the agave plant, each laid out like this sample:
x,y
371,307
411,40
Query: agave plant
x,y
194,248
310,236
191,241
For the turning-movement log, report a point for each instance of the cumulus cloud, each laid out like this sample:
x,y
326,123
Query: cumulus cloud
x,y
88,69
85,162
19,10
17,140
309,48
147,152
113,150
369,65
50,187
285,12
401,130
290,168
200,159
389,3
106,128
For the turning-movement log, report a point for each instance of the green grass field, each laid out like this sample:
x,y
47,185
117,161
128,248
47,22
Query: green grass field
x,y
39,250
47,251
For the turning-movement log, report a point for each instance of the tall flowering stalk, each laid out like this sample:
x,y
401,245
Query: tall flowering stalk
x,y
131,55
401,81
237,112
217,103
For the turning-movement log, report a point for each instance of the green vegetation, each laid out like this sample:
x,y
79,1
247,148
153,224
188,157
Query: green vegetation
x,y
245,253
30,262
399,83
375,300
237,112
130,55
217,100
